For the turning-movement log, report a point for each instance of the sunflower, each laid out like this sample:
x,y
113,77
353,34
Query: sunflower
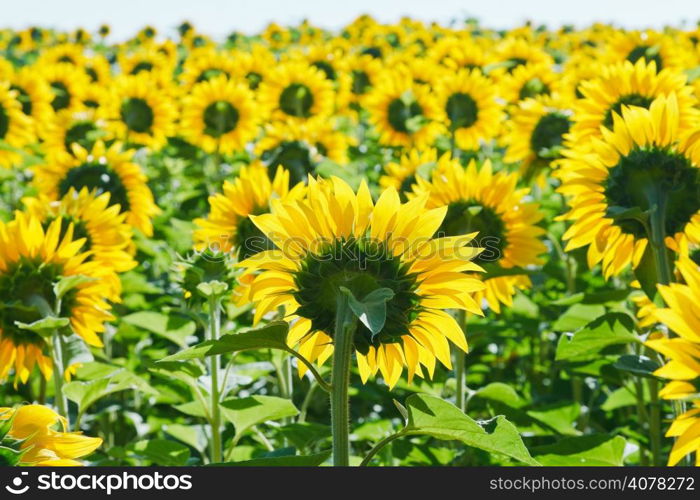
x,y
403,112
253,65
38,444
300,146
625,84
101,170
15,127
32,260
469,101
359,74
516,51
98,69
68,53
67,128
34,94
337,238
649,46
415,162
150,60
477,199
535,135
67,85
228,227
139,112
220,115
205,63
107,235
647,162
458,51
682,315
529,80
297,91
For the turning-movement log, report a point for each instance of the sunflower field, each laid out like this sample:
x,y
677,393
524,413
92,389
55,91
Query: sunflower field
x,y
385,245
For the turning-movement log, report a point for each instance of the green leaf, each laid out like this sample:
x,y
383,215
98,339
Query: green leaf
x,y
288,461
271,336
503,393
622,397
646,274
305,434
192,435
85,394
68,283
9,457
609,329
577,316
174,328
75,350
434,417
639,365
244,413
371,310
596,450
163,452
560,417
44,326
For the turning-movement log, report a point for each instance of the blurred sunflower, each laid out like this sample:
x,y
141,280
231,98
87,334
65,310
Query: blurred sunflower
x,y
139,112
204,64
34,94
81,128
458,51
254,65
535,135
649,46
106,233
682,315
337,238
298,91
220,115
625,84
648,162
529,80
159,64
15,127
515,51
404,113
472,111
359,74
67,84
32,431
402,175
228,227
479,200
102,170
32,260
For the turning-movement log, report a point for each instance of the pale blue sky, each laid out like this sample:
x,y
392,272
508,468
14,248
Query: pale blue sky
x,y
220,17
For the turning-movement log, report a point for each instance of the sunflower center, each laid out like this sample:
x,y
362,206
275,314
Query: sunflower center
x,y
220,118
137,114
210,73
92,74
626,100
61,96
361,266
533,88
98,178
295,157
82,133
648,53
468,216
548,134
249,239
404,113
326,67
142,66
360,82
24,99
27,286
253,79
654,176
4,122
297,100
462,111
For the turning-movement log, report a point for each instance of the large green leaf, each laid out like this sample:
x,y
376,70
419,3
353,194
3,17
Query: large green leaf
x,y
638,365
597,449
163,452
174,328
577,316
271,336
244,413
609,329
434,417
371,310
502,393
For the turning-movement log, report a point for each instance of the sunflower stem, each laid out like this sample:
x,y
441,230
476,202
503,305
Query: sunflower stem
x,y
459,365
345,325
56,348
214,329
657,237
